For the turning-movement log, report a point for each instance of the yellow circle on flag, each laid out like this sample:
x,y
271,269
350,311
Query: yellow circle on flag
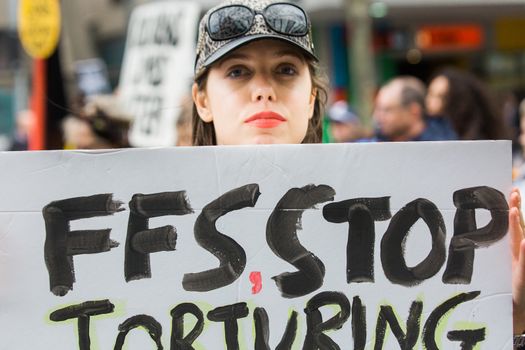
x,y
39,26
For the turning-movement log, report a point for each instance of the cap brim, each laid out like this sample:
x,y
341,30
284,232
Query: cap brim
x,y
235,44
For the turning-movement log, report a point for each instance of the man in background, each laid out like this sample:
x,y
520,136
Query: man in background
x,y
345,125
24,123
400,115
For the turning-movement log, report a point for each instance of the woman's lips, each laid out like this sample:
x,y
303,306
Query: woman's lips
x,y
265,120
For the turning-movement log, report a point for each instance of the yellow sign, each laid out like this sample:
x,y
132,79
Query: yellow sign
x,y
39,26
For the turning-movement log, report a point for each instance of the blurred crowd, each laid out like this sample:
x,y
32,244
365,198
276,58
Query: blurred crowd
x,y
98,122
453,105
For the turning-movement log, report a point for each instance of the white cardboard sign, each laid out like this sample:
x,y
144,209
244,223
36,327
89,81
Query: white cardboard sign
x,y
257,247
157,69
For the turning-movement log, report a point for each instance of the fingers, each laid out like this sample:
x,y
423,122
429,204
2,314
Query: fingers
x,y
516,225
517,229
516,201
515,198
518,296
515,232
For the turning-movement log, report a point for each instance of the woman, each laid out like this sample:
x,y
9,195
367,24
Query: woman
x,y
256,76
257,81
467,103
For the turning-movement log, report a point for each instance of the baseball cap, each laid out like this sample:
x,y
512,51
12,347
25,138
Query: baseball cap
x,y
234,23
340,112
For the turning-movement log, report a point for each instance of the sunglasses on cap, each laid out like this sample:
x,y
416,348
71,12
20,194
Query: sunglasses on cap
x,y
232,21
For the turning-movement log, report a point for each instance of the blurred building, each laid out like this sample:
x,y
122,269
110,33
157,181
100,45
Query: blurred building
x,y
418,37
409,37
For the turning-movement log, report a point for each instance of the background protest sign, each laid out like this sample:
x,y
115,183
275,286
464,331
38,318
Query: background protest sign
x,y
217,247
157,69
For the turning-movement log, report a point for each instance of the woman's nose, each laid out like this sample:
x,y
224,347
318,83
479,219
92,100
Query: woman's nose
x,y
263,89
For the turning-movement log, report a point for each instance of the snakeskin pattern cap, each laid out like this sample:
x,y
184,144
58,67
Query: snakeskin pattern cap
x,y
209,50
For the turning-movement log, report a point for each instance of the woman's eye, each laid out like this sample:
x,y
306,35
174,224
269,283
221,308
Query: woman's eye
x,y
237,72
287,70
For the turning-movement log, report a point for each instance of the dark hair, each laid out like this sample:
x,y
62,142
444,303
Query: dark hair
x,y
109,128
412,90
412,93
204,133
471,107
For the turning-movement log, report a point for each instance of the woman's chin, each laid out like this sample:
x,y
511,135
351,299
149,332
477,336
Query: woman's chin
x,y
259,139
267,140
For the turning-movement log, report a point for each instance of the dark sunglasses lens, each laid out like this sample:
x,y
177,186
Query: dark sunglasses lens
x,y
229,22
286,19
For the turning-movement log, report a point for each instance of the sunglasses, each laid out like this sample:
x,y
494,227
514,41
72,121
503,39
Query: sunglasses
x,y
236,20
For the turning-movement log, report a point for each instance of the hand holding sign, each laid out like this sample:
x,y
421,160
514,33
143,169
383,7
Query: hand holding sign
x,y
517,230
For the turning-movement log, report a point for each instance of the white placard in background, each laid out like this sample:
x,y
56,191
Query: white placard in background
x,y
157,69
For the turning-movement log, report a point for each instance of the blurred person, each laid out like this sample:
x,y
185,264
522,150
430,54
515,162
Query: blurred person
x,y
513,108
467,103
24,124
518,170
521,111
345,125
399,113
100,124
183,124
510,113
77,134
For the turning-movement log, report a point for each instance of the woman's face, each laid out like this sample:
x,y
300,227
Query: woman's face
x,y
436,96
260,93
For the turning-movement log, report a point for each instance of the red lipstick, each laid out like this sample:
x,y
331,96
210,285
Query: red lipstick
x,y
265,120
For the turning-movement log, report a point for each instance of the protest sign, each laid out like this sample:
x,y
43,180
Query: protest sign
x,y
376,246
157,69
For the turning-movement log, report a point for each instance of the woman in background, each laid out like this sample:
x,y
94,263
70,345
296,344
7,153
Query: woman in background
x,y
467,103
